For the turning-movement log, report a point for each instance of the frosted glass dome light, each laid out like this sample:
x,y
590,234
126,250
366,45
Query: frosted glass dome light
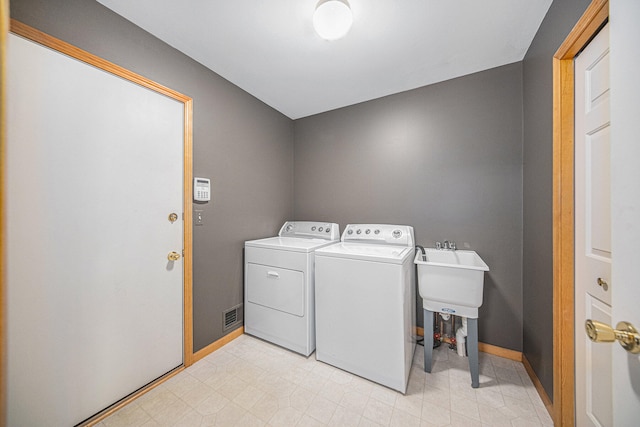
x,y
332,19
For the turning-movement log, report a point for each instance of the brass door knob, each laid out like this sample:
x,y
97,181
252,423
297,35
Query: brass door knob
x,y
603,283
625,333
173,256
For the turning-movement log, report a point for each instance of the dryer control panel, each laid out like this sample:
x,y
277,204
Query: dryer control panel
x,y
310,230
401,235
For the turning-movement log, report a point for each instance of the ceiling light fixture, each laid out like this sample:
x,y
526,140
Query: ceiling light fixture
x,y
332,19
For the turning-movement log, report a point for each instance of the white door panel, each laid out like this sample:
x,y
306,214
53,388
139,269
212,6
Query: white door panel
x,y
94,169
592,230
598,368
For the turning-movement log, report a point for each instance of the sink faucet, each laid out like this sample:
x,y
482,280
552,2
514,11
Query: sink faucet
x,y
446,245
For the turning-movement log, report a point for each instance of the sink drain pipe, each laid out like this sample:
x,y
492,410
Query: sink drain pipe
x,y
461,335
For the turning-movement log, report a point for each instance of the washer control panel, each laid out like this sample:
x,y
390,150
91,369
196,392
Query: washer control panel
x,y
379,233
310,230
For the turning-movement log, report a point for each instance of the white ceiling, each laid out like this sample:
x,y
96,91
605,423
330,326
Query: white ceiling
x,y
269,47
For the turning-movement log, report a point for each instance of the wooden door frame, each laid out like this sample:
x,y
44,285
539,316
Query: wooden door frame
x,y
595,16
4,30
30,33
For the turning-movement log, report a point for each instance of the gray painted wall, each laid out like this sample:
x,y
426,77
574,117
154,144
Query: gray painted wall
x,y
244,146
538,176
446,159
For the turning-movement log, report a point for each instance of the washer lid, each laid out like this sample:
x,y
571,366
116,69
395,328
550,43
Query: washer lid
x,y
295,244
368,252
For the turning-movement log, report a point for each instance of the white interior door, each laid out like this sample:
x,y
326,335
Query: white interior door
x,y
94,168
625,201
593,259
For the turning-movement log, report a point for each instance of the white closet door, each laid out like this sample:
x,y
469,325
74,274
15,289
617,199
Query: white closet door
x,y
94,169
593,255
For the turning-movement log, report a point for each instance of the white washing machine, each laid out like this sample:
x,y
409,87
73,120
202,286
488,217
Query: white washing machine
x,y
365,303
279,284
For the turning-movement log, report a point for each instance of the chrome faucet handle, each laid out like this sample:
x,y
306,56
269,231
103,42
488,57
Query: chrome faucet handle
x,y
453,246
446,245
438,245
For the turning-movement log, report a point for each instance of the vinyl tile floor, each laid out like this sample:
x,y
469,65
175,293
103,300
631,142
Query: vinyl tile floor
x,y
250,382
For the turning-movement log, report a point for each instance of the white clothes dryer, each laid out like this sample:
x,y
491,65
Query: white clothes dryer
x,y
279,284
365,303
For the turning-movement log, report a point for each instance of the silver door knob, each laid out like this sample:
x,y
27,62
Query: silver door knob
x,y
624,333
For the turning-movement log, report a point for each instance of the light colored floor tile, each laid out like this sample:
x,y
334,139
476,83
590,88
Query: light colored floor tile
x,y
130,416
404,419
301,398
233,388
181,383
493,416
438,379
435,414
250,382
197,394
172,413
192,418
491,397
361,386
466,407
459,420
321,409
286,417
332,390
314,382
354,401
384,395
543,415
343,417
202,371
296,375
156,400
518,408
366,422
410,404
212,404
526,422
265,407
378,411
250,420
230,415
249,396
307,421
437,396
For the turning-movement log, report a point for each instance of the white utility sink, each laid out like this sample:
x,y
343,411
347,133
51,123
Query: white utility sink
x,y
451,281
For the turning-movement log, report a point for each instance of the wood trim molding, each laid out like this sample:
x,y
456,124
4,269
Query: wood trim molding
x,y
63,47
563,209
538,385
500,351
187,254
200,354
24,30
4,29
